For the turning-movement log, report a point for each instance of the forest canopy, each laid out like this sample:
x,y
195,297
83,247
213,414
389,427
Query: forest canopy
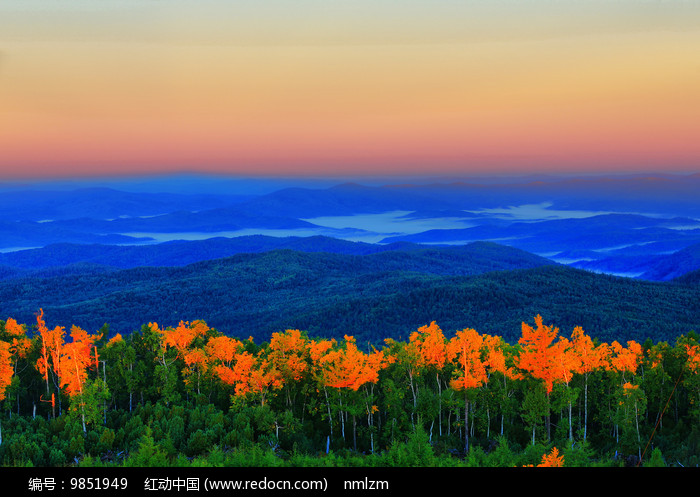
x,y
191,394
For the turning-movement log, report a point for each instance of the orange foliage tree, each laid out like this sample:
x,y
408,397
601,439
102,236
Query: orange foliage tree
x,y
552,460
692,374
538,358
317,352
181,337
693,358
178,344
6,372
222,352
49,362
263,378
349,367
19,343
289,358
623,363
555,360
625,360
432,349
76,359
249,373
567,362
237,372
18,347
469,351
344,368
538,353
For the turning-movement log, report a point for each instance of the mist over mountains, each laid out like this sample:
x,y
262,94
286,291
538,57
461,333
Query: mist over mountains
x,y
620,225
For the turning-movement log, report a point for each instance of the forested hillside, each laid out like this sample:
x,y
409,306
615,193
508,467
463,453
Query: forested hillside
x,y
373,296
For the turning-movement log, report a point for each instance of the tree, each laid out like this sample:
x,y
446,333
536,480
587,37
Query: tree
x,y
317,352
275,393
632,403
183,340
656,381
499,359
567,362
181,337
18,342
289,357
407,357
592,358
20,347
348,368
552,460
6,372
76,359
624,362
468,350
656,460
173,345
250,373
538,354
341,369
691,372
122,357
538,357
222,350
432,349
262,378
49,363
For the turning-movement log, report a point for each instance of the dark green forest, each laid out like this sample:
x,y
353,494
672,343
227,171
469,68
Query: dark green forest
x,y
371,296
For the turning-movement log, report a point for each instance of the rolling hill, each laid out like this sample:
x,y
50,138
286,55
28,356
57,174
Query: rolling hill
x,y
674,265
374,296
180,253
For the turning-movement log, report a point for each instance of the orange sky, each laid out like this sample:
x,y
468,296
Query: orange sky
x,y
314,88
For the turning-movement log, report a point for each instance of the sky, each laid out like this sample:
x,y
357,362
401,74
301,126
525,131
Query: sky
x,y
322,87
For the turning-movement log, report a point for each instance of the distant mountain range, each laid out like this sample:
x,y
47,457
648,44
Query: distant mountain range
x,y
663,196
102,203
98,257
181,253
667,196
622,225
599,232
